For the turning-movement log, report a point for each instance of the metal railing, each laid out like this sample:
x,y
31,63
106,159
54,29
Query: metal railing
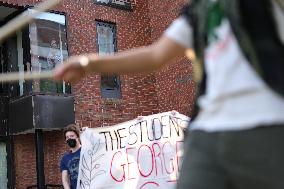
x,y
47,186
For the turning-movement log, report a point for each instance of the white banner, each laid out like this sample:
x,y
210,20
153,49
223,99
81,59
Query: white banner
x,y
143,153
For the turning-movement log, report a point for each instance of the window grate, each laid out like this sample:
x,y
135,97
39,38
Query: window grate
x,y
106,42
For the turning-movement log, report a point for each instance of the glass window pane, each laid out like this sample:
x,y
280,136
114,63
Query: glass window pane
x,y
3,166
110,84
48,49
105,40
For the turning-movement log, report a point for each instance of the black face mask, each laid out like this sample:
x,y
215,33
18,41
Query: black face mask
x,y
71,142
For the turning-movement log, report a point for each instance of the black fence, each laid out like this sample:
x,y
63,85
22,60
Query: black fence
x,y
4,109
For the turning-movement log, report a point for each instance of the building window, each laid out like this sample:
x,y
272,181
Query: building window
x,y
3,165
48,48
38,47
121,4
110,84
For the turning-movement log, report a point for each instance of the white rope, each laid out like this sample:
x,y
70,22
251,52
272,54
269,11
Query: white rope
x,y
16,24
24,18
16,76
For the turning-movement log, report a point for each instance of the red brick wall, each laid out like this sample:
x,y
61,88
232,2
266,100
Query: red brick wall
x,y
25,158
132,31
175,88
24,161
141,94
54,147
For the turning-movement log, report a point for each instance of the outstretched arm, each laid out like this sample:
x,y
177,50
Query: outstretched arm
x,y
141,59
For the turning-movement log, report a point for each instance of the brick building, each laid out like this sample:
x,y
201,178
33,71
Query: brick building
x,y
84,26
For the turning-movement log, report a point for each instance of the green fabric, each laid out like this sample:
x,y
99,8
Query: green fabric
x,y
215,17
205,15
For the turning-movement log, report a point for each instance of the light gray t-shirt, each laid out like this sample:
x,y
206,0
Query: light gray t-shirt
x,y
236,97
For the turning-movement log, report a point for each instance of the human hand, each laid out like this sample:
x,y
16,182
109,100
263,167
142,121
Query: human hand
x,y
140,118
174,112
83,129
74,69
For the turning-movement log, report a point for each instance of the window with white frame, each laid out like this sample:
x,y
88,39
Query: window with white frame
x,y
38,47
48,47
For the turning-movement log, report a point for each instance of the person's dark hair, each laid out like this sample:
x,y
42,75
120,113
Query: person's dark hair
x,y
71,127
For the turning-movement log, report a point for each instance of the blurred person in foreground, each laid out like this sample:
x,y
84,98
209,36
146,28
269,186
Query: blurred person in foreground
x,y
237,132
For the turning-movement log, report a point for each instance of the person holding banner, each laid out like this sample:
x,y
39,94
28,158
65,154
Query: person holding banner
x,y
69,164
236,137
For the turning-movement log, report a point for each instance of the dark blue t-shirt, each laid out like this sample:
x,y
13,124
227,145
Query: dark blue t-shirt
x,y
70,162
